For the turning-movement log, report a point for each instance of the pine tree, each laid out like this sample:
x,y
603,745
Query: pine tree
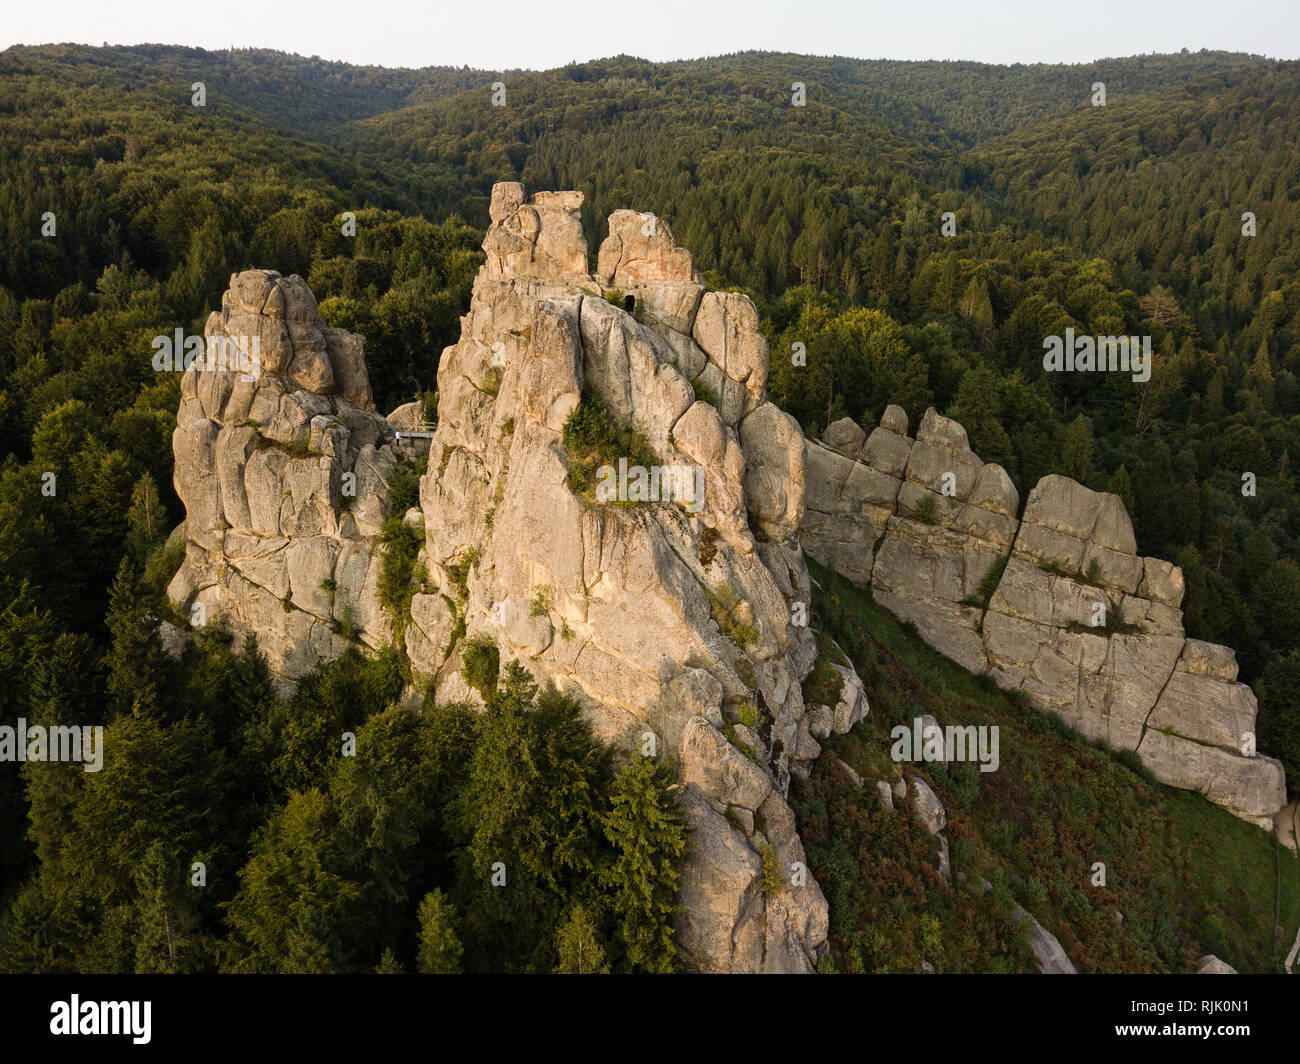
x,y
1279,714
298,908
649,840
1121,484
530,804
59,689
1213,410
977,408
945,292
1276,600
1259,377
136,660
440,949
1257,556
167,923
1076,449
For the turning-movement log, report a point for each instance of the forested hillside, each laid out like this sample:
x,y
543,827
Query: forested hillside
x,y
124,209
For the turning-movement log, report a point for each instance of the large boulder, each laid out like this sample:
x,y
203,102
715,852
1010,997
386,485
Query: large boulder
x,y
640,248
926,806
538,236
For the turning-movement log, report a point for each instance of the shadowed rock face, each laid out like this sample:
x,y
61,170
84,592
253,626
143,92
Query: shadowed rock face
x,y
1075,618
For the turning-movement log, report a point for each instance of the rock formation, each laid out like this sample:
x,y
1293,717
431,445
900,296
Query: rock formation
x,y
681,620
685,622
659,619
284,475
1055,602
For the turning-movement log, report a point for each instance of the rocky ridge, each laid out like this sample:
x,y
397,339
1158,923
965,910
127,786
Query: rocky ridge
x,y
1054,602
683,623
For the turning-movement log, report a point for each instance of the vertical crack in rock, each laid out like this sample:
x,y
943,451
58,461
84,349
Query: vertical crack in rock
x,y
1147,719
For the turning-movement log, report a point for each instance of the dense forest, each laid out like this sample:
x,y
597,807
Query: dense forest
x,y
124,208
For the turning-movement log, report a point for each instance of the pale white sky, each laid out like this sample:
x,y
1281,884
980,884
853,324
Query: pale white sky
x,y
503,34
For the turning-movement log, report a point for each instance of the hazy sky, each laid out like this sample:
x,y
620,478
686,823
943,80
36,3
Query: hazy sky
x,y
502,34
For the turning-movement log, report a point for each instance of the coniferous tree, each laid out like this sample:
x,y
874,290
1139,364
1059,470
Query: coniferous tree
x,y
298,908
649,840
1278,725
440,949
136,664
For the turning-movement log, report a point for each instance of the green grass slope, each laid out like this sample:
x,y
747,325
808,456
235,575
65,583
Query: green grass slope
x,y
1183,877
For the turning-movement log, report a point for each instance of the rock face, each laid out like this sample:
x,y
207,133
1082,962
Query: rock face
x,y
679,618
1286,825
283,471
1050,958
658,618
1056,602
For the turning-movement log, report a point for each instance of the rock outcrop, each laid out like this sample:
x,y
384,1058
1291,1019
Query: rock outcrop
x,y
1286,825
660,617
1054,602
283,468
1050,957
678,617
681,619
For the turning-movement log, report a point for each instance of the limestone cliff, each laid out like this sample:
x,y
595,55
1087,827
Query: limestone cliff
x,y
1054,602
